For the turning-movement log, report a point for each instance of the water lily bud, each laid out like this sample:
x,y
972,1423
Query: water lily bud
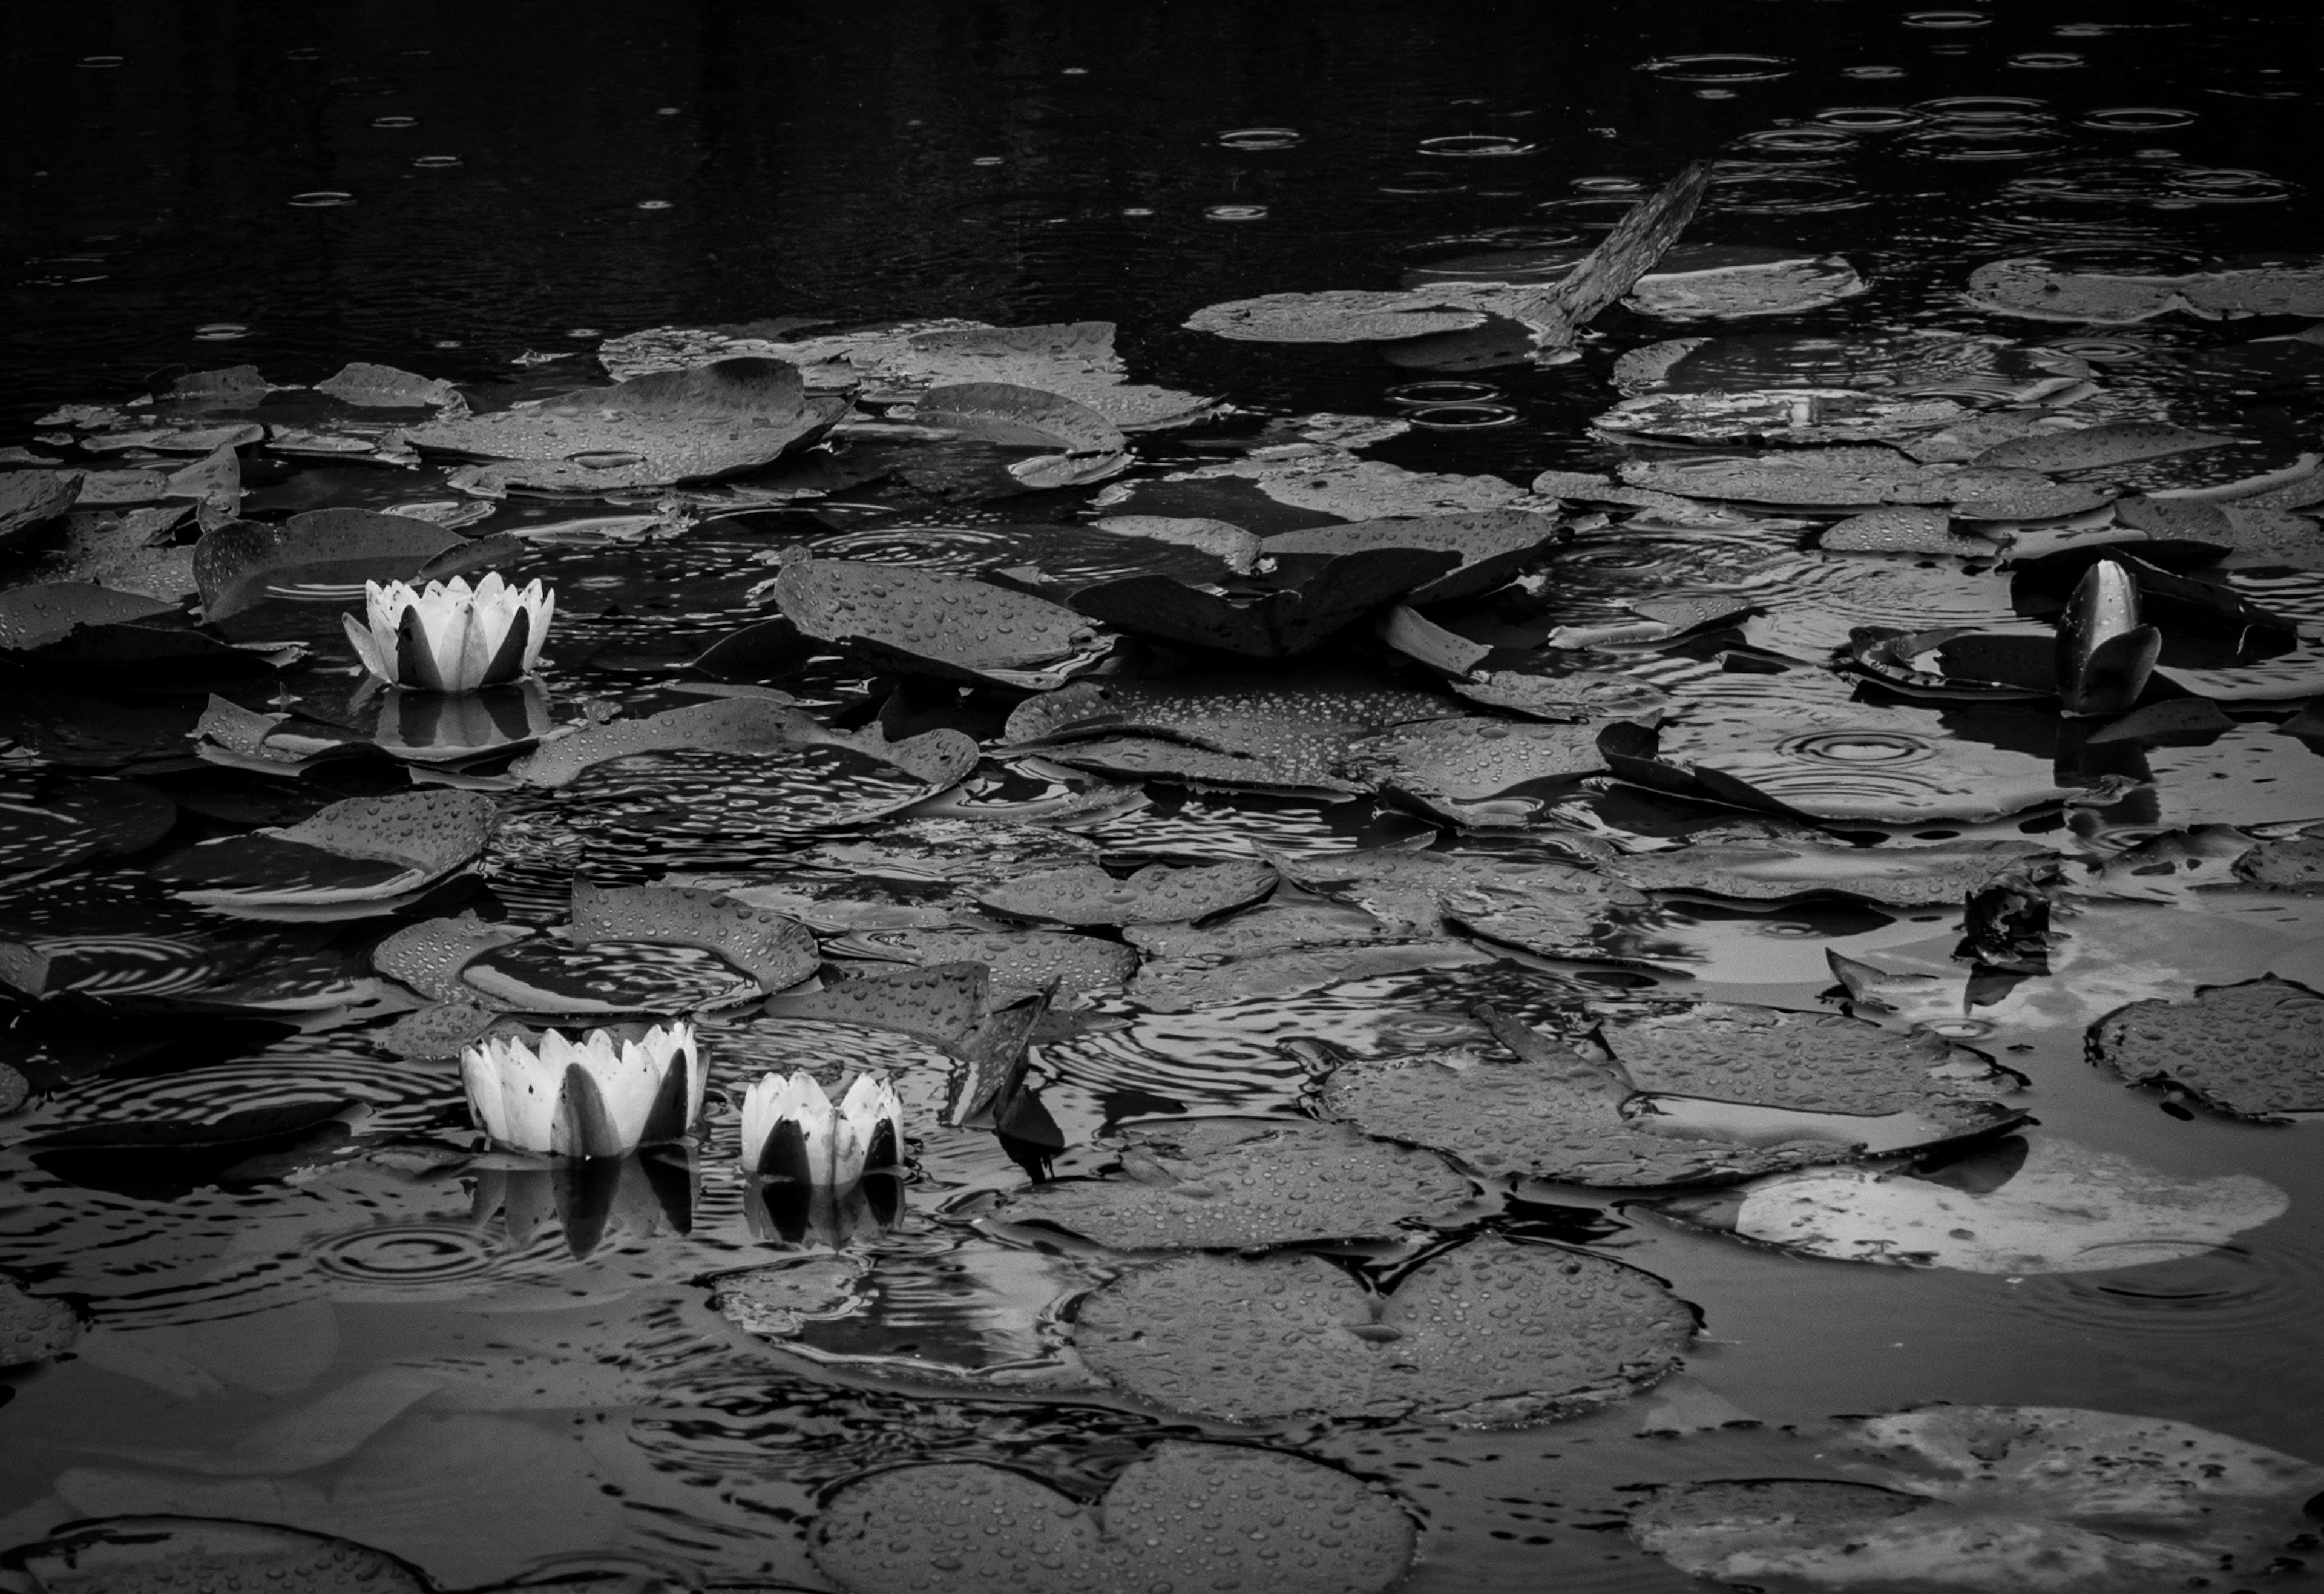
x,y
595,1098
449,637
791,1130
2103,654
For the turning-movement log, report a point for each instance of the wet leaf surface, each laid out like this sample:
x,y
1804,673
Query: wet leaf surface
x,y
1086,895
927,621
1489,1334
1180,1513
147,1554
238,564
1225,1184
350,857
2255,1050
33,1328
1998,1497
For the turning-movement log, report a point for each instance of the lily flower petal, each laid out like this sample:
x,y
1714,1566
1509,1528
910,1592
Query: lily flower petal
x,y
786,1128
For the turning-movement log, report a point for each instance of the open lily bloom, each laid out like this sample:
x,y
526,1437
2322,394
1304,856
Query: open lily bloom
x,y
596,1098
791,1130
449,637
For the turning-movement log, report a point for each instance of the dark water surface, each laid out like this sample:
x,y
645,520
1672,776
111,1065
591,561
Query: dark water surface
x,y
349,1328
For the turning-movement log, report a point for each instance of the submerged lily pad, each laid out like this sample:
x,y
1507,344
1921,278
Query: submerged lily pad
x,y
1999,1499
44,827
1491,1334
1221,1183
33,1328
711,420
353,858
2254,1050
1085,894
167,1555
2058,1207
926,622
1183,1516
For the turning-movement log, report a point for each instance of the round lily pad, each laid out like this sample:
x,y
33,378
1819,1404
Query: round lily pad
x,y
175,1554
1820,1062
33,1327
1247,1181
1492,1334
1182,1516
2057,1208
1085,894
1999,1499
2254,1050
1020,959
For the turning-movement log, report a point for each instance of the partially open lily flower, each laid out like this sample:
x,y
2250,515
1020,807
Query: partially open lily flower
x,y
449,637
790,1130
602,1097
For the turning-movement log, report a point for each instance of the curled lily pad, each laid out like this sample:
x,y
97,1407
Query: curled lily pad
x,y
1085,894
1225,732
2094,447
31,499
712,421
429,955
1020,959
33,1328
1183,1516
926,622
1471,771
159,1555
1492,544
235,564
2254,1050
1552,909
2057,1207
1088,447
1772,870
1223,1184
1490,1334
774,951
1560,1114
2000,1499
353,857
1293,609
939,1002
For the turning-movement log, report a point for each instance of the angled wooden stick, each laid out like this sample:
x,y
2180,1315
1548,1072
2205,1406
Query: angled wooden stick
x,y
1614,267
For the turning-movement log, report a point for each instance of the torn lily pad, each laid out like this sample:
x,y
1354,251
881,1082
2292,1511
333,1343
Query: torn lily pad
x,y
366,855
372,386
156,1554
707,422
1473,771
1085,894
2042,1205
1560,1114
1087,447
1489,1335
1183,1516
1227,1183
926,622
1999,1499
2253,1050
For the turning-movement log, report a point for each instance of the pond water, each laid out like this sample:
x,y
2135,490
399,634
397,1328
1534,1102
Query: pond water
x,y
1706,936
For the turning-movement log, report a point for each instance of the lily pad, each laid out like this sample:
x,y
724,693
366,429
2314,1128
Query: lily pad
x,y
1181,1515
1085,894
1574,697
33,1328
710,421
1225,1184
940,1002
1321,482
1904,529
128,550
1909,362
1020,959
31,499
1471,771
355,857
1294,610
1771,870
44,613
1559,1115
1088,447
2094,448
373,386
237,563
1813,1062
774,951
165,1554
1490,1335
1346,315
1838,476
2034,289
1999,1499
2060,1207
1790,417
1552,909
2254,1051
1775,282
1188,984
1493,545
926,622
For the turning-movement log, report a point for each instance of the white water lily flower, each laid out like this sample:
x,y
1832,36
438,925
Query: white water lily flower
x,y
595,1098
790,1130
449,637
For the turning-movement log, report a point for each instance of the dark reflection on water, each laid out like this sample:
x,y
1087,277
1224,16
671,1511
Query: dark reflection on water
x,y
352,1324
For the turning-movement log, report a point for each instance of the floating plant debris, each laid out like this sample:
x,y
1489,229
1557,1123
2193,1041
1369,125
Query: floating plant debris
x,y
1488,1335
1992,1498
1221,1183
1180,1513
2255,1050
